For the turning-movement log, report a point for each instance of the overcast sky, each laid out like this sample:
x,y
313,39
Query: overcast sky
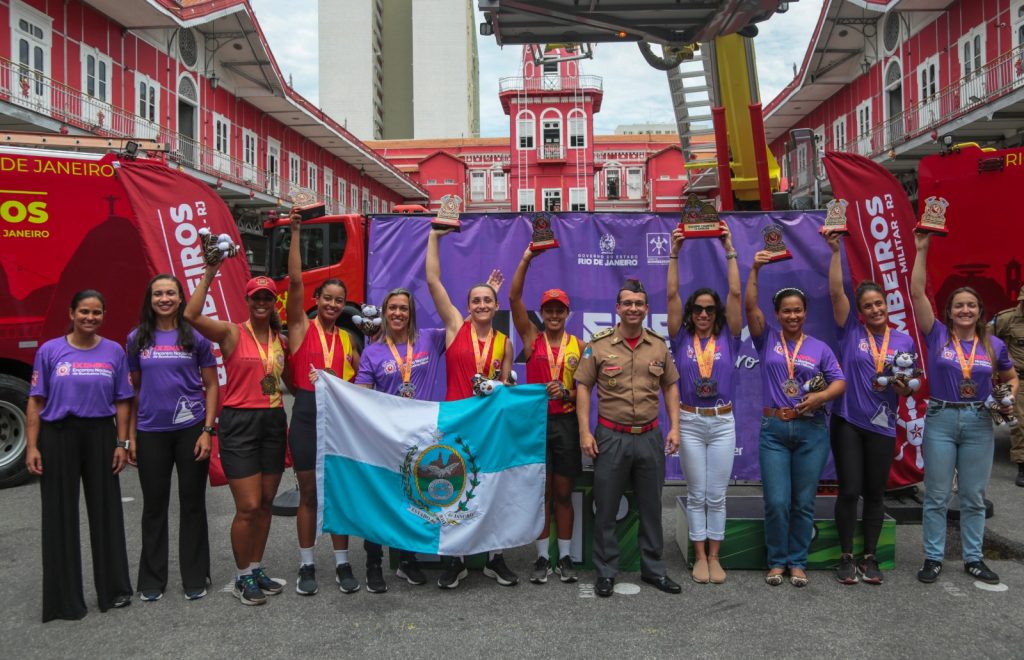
x,y
633,91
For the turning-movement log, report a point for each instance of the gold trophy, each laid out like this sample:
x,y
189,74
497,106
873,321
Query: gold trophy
x,y
835,217
543,238
933,220
699,219
448,214
306,206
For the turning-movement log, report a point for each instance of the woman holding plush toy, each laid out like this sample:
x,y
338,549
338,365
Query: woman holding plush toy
x,y
863,427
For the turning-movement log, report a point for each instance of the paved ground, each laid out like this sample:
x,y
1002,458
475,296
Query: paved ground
x,y
742,618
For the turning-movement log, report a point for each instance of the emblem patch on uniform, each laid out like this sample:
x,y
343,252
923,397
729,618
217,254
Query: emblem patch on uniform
x,y
440,481
572,361
63,368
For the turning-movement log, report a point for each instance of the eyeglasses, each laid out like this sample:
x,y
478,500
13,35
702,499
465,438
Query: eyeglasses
x,y
707,309
633,303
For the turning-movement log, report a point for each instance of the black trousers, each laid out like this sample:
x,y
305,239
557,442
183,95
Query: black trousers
x,y
862,461
375,554
158,453
74,451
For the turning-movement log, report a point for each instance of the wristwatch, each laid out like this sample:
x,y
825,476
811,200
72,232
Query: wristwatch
x,y
122,444
212,430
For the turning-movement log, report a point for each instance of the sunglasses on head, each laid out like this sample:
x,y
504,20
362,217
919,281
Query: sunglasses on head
x,y
707,309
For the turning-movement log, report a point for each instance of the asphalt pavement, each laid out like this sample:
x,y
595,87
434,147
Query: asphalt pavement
x,y
739,619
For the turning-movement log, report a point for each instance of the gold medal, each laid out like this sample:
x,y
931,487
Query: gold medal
x,y
968,388
328,350
480,355
404,367
268,384
706,387
790,387
878,356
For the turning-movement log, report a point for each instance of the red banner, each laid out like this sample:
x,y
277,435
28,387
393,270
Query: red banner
x,y
171,209
881,248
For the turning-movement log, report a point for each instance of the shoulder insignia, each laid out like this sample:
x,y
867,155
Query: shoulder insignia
x,y
607,332
655,334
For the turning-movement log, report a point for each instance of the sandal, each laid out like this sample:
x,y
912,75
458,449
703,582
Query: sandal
x,y
774,579
798,580
716,574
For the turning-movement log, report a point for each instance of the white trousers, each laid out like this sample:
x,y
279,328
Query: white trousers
x,y
707,447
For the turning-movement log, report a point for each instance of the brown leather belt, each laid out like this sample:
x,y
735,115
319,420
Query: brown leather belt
x,y
707,412
785,414
622,428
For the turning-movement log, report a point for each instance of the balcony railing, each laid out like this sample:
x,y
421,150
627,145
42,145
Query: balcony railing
x,y
552,152
549,83
996,79
31,90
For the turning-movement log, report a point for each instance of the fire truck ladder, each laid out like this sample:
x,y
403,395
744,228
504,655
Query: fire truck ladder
x,y
693,95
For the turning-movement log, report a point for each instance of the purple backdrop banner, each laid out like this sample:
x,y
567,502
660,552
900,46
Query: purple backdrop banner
x,y
598,251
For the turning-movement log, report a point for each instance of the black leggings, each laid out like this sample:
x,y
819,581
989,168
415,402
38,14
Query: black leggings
x,y
862,460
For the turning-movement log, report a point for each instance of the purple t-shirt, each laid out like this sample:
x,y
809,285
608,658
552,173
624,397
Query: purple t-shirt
x,y
377,366
171,394
815,356
727,348
861,405
77,382
944,374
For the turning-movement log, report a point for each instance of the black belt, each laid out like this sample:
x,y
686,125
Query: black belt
x,y
940,404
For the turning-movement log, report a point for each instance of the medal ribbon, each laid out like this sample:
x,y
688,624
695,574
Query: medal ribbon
x,y
404,367
268,361
480,356
556,365
879,356
705,357
328,353
791,360
966,366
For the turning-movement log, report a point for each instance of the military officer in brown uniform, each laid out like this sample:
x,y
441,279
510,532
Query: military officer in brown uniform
x,y
629,366
1009,326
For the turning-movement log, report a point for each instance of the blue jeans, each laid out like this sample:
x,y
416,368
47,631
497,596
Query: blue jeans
x,y
959,438
792,455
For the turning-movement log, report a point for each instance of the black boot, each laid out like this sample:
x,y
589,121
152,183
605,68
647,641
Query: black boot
x,y
1020,475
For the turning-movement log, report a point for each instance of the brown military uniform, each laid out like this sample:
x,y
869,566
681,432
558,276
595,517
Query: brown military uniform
x,y
628,383
628,380
1009,326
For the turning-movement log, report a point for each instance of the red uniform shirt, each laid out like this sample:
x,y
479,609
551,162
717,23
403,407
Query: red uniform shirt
x,y
538,369
311,352
245,369
460,361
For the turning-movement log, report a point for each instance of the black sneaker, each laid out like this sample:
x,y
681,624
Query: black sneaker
x,y
979,571
411,573
248,592
846,571
869,571
1020,475
453,573
267,584
375,583
150,595
347,582
124,600
541,570
305,584
566,570
498,570
930,571
195,594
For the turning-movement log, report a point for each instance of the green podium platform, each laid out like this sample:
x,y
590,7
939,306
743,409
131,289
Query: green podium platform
x,y
743,547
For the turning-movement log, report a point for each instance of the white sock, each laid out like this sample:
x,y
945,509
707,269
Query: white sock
x,y
340,557
542,548
564,547
305,557
254,566
242,572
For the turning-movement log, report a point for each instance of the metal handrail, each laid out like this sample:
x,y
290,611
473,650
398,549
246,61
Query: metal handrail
x,y
549,83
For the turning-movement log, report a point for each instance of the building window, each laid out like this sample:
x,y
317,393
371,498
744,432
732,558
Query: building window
x,y
972,59
366,201
96,72
376,205
250,155
221,143
550,78
342,195
148,106
577,130
611,183
577,199
329,189
864,128
839,134
31,33
294,170
311,181
928,89
551,133
499,186
525,129
477,186
273,167
527,201
634,183
354,204
552,200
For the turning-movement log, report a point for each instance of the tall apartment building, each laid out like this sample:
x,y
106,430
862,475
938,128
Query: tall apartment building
x,y
400,69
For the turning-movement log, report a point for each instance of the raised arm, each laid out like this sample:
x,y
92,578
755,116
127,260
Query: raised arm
x,y
675,303
520,317
222,332
298,323
450,316
733,305
755,317
918,278
840,303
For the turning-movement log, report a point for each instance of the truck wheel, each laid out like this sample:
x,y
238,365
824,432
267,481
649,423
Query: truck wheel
x,y
13,401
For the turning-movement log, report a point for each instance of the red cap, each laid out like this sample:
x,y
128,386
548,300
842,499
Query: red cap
x,y
554,295
260,283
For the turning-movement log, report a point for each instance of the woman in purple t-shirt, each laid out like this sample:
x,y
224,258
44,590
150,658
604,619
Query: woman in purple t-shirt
x,y
864,418
963,359
77,431
793,446
174,374
705,341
